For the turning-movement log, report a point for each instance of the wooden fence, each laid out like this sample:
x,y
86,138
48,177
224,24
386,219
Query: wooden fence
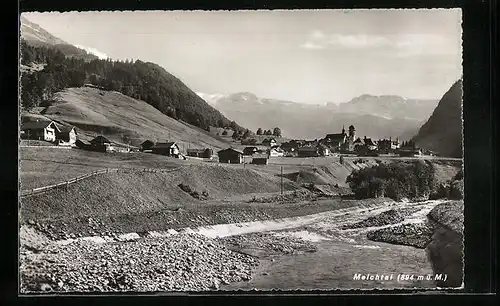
x,y
65,184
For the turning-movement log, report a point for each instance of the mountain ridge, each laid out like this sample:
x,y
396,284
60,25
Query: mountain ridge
x,y
144,81
254,112
443,131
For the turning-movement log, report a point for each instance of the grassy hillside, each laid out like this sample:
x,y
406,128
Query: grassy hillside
x,y
124,119
443,131
140,80
46,166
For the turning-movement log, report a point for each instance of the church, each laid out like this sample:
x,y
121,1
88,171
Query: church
x,y
341,141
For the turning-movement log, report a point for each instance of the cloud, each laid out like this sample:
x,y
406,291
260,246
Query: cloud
x,y
317,34
358,41
93,51
312,45
401,45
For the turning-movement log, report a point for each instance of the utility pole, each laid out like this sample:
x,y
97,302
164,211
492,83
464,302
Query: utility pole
x,y
281,179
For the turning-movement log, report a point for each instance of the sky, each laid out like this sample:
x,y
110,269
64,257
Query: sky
x,y
308,56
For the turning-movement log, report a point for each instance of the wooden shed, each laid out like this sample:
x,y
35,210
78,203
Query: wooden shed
x,y
230,156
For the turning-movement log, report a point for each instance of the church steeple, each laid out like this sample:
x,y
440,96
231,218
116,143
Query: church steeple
x,y
343,130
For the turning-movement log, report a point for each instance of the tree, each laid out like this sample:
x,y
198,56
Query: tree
x,y
268,132
259,131
235,135
246,134
277,132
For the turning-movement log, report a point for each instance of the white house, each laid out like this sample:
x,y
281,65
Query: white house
x,y
276,152
40,130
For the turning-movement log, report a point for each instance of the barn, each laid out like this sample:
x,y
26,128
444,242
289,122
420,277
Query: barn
x,y
250,150
66,135
200,153
147,145
39,130
166,148
230,156
260,159
102,144
308,152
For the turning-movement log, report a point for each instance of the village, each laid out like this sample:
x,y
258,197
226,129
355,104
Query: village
x,y
247,148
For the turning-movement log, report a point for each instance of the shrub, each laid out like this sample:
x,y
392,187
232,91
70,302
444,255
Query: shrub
x,y
396,180
459,175
185,188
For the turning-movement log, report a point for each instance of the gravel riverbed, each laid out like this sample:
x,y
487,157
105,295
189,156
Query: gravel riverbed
x,y
184,262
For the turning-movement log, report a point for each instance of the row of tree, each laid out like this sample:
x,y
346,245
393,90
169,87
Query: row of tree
x,y
140,80
409,144
275,132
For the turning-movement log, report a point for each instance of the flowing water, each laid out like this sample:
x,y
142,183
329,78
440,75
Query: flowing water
x,y
344,255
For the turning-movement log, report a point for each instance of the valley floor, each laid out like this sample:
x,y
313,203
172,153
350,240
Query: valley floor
x,y
141,232
309,252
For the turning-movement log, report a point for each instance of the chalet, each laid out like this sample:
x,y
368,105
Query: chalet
x,y
290,146
260,160
101,144
370,144
335,141
323,150
200,153
270,142
39,130
250,150
83,144
146,145
395,145
122,148
230,156
308,152
66,135
276,152
166,148
358,144
410,152
310,143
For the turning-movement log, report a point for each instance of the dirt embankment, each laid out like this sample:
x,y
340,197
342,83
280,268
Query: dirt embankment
x,y
122,193
445,251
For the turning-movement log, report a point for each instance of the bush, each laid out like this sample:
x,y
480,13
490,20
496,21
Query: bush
x,y
459,175
456,190
185,188
396,181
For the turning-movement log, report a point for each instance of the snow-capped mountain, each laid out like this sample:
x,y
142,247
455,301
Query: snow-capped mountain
x,y
35,35
93,51
32,32
373,116
210,98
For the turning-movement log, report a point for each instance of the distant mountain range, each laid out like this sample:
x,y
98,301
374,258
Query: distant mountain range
x,y
443,131
373,116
